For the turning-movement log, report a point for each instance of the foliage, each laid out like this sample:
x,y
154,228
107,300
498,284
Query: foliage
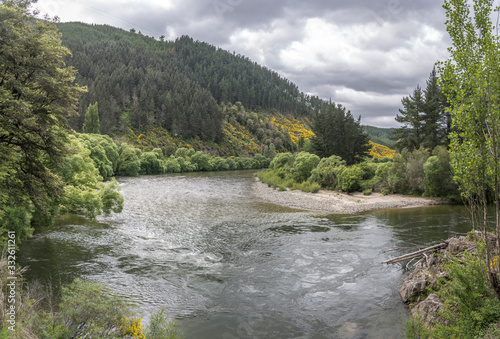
x,y
103,152
470,305
85,309
378,151
160,327
338,133
470,80
37,94
131,328
303,165
350,179
381,136
415,175
129,163
424,120
151,163
90,309
325,174
91,123
85,193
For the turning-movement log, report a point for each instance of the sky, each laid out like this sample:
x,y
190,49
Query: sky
x,y
364,54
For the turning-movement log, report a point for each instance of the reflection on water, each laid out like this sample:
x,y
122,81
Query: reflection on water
x,y
228,265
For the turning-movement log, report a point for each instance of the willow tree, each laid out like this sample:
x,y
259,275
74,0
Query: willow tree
x,y
471,81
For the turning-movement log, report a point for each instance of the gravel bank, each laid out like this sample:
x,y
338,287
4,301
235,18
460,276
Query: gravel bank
x,y
335,202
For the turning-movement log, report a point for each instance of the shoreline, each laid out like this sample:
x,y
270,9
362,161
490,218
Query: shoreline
x,y
334,202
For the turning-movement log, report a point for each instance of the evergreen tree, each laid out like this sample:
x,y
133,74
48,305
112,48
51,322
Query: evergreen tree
x,y
338,133
410,135
91,124
433,118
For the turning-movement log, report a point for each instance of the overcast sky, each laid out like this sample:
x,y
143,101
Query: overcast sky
x,y
364,54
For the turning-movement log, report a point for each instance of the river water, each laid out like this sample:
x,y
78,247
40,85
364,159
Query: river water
x,y
226,264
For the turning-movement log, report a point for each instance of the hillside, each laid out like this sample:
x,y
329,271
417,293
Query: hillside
x,y
172,94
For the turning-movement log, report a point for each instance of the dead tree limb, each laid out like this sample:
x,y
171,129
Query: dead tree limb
x,y
416,254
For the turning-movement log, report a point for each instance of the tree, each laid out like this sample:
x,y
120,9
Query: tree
x,y
471,81
434,131
91,124
338,133
410,135
37,95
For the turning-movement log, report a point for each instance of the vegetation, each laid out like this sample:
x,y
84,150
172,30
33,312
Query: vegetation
x,y
425,123
417,173
471,82
37,95
91,123
338,133
84,309
471,85
471,307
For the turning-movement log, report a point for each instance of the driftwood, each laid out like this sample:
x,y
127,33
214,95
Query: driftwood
x,y
416,254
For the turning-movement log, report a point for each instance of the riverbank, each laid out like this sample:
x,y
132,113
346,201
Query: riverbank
x,y
336,202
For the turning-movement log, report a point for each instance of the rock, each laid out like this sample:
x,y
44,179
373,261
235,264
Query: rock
x,y
427,310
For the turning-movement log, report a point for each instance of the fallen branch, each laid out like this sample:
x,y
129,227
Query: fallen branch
x,y
416,254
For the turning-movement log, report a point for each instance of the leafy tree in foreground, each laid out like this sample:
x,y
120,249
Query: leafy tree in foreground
x,y
471,79
37,94
338,133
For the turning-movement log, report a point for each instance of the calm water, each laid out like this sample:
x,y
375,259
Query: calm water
x,y
227,265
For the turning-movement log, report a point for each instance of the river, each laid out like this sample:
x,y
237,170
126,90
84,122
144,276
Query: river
x,y
226,264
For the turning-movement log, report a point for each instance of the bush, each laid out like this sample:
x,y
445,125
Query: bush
x,y
218,164
381,178
151,163
129,163
367,191
303,165
90,309
350,179
160,327
282,161
325,173
201,160
470,305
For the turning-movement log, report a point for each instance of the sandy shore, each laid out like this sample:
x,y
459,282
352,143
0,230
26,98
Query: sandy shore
x,y
336,202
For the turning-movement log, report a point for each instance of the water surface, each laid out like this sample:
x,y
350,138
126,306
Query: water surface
x,y
226,264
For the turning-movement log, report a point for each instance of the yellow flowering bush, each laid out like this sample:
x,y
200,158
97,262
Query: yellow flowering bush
x,y
380,151
131,327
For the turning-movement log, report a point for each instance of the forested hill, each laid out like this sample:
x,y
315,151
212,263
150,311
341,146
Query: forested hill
x,y
141,82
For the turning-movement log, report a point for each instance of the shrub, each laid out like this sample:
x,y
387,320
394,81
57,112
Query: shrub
x,y
415,170
282,161
218,164
151,163
89,309
260,161
129,163
350,178
160,327
201,160
381,178
368,191
303,165
325,173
